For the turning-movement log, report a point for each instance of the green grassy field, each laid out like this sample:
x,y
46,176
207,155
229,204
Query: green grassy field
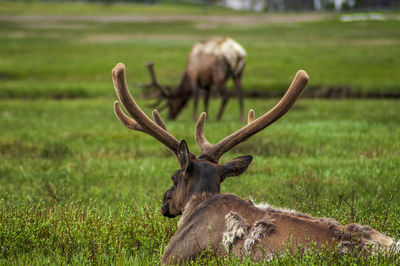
x,y
76,187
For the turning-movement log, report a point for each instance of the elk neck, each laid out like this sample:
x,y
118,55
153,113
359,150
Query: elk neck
x,y
184,88
179,97
192,203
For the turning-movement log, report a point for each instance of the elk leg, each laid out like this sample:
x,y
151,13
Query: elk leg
x,y
225,98
195,92
206,99
238,87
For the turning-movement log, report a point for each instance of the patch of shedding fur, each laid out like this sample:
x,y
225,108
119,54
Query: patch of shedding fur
x,y
260,229
236,228
267,207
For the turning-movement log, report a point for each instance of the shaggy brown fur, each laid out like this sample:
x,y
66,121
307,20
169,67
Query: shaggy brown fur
x,y
259,230
229,224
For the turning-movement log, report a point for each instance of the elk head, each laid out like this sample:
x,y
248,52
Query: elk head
x,y
202,175
175,98
197,176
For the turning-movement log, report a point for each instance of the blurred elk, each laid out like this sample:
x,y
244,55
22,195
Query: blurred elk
x,y
209,65
224,222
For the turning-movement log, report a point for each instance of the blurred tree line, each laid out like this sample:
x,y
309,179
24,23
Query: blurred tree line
x,y
265,5
282,5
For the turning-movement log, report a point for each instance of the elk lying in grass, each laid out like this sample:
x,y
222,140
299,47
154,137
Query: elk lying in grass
x,y
224,222
209,65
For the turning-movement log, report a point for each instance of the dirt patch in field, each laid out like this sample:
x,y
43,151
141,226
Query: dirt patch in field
x,y
56,25
25,35
252,19
107,38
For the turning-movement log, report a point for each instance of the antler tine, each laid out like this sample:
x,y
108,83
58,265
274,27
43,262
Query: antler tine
x,y
154,82
250,116
201,140
156,103
125,120
165,105
214,152
140,120
159,121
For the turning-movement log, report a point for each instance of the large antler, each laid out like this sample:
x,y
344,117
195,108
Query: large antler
x,y
140,120
214,152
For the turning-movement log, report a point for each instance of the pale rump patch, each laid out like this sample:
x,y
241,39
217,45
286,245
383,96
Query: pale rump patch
x,y
364,239
381,244
260,229
236,228
227,48
396,247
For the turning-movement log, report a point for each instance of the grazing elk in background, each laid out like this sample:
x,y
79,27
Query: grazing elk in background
x,y
224,222
209,65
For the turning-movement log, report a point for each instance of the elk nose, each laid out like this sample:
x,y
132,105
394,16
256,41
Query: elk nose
x,y
165,209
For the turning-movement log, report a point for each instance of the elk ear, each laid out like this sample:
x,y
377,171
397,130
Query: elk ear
x,y
235,167
183,155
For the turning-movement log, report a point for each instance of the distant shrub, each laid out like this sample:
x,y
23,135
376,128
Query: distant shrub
x,y
55,150
17,148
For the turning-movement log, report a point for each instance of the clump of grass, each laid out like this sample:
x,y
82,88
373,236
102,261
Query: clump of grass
x,y
55,150
17,148
262,146
76,232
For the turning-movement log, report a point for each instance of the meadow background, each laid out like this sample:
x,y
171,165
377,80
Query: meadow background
x,y
78,187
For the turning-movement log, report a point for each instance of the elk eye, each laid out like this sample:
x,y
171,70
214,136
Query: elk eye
x,y
174,179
